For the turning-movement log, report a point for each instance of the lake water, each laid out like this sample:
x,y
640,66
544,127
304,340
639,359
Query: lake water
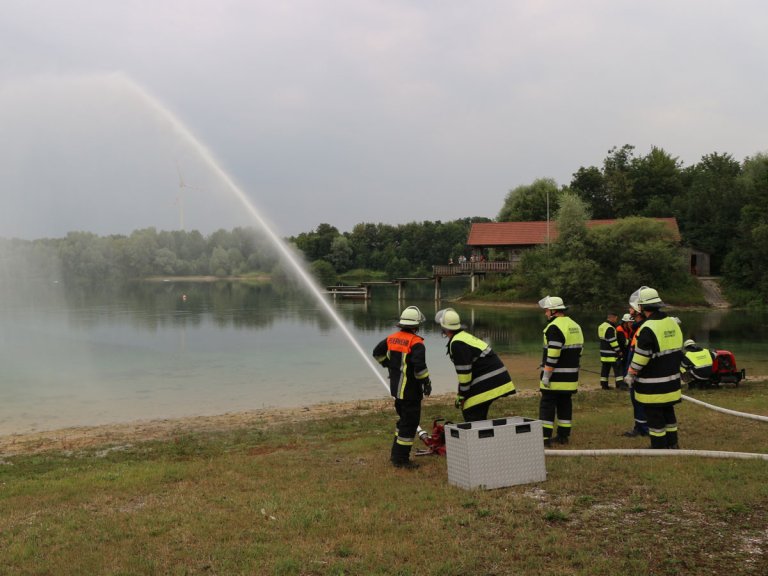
x,y
163,350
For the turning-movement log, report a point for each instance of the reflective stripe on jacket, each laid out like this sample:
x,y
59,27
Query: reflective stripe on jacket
x,y
563,344
656,361
609,344
404,354
482,375
698,362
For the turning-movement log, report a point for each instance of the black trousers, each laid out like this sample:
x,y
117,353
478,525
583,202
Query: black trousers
x,y
556,406
409,412
477,412
605,372
662,426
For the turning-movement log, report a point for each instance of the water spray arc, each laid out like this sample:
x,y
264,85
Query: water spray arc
x,y
208,157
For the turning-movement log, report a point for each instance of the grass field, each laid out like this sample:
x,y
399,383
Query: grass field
x,y
320,497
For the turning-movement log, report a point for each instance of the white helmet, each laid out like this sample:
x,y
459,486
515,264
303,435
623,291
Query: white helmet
x,y
552,303
627,317
689,343
649,297
411,317
448,319
635,297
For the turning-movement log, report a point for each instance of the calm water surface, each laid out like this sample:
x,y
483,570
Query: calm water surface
x,y
176,349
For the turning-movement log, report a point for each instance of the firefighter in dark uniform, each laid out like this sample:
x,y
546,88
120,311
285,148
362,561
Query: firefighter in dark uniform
x,y
696,365
640,427
623,337
482,375
404,355
563,344
655,369
609,353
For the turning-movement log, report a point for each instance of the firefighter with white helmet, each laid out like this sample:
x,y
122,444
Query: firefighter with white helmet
x,y
563,344
404,355
482,375
610,352
636,319
655,369
696,365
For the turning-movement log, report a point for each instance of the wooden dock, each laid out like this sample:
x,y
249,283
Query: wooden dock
x,y
474,270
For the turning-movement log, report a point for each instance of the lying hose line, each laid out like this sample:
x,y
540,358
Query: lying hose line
x,y
726,410
650,452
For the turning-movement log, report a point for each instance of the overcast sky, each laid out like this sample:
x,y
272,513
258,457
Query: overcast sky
x,y
349,111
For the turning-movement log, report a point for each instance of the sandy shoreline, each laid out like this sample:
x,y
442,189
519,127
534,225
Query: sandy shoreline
x,y
80,437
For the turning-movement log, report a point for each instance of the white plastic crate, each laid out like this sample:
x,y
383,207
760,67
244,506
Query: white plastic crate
x,y
495,453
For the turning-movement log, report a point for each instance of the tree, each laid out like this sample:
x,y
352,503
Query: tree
x,y
746,266
323,271
340,254
529,203
709,209
589,185
618,181
656,182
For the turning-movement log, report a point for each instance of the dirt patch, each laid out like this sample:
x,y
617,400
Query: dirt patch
x,y
79,437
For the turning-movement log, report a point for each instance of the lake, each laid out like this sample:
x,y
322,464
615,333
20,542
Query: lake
x,y
174,349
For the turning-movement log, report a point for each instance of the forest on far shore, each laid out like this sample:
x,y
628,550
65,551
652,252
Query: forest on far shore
x,y
721,206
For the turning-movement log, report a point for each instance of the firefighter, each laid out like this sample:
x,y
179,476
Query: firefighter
x,y
610,353
655,369
640,427
563,344
696,365
623,337
404,355
482,375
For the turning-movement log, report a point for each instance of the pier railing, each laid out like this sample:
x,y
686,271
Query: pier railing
x,y
468,268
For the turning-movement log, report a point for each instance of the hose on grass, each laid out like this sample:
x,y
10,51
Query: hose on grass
x,y
726,410
650,452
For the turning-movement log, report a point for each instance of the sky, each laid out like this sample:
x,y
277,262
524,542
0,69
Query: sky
x,y
206,114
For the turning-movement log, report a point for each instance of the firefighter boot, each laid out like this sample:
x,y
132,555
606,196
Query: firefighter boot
x,y
672,441
400,456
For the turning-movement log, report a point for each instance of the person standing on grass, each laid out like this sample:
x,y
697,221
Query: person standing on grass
x,y
655,369
404,355
482,375
609,353
563,344
640,427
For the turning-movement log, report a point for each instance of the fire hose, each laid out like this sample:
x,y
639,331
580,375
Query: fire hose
x,y
701,453
726,410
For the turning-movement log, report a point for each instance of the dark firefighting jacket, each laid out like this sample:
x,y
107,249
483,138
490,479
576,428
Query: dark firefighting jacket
x,y
404,355
656,360
482,375
563,344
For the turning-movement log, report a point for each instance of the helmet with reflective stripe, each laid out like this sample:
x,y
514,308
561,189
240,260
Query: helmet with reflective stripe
x,y
552,303
649,297
635,297
411,317
689,343
627,317
448,319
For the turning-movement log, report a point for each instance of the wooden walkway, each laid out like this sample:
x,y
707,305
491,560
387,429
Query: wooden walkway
x,y
473,270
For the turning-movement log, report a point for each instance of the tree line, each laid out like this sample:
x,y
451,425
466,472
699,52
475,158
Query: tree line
x,y
86,258
711,199
720,205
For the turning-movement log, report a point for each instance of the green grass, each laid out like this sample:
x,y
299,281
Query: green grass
x,y
320,497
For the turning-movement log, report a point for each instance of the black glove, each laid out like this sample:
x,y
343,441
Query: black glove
x,y
426,386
